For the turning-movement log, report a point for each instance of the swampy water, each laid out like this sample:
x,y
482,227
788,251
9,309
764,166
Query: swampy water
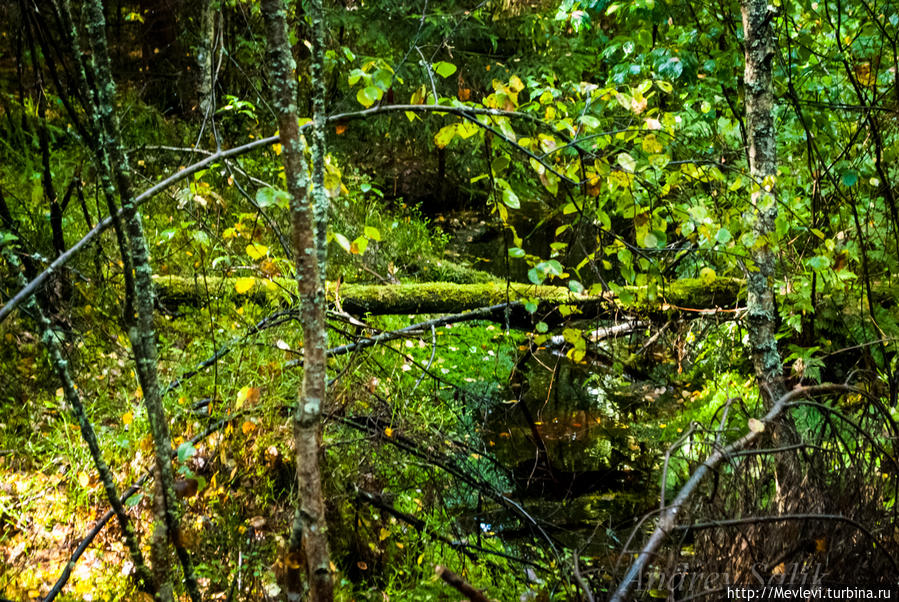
x,y
566,431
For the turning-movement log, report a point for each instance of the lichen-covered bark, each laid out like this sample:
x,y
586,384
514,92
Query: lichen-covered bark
x,y
308,224
759,43
761,310
60,366
201,19
113,162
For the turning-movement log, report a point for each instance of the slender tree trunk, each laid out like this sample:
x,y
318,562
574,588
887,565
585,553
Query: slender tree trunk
x,y
204,56
308,210
761,311
140,323
60,365
759,41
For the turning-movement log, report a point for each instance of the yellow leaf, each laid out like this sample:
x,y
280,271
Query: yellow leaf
x,y
257,251
420,558
247,427
277,148
84,479
242,285
128,418
384,534
388,431
248,395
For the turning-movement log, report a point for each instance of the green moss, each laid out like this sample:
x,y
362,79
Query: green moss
x,y
448,297
689,292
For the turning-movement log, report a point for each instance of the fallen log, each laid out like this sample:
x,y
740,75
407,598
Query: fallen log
x,y
690,295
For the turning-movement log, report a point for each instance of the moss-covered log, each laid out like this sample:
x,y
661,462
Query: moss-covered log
x,y
445,297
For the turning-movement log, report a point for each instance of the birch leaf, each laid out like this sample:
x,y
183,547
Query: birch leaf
x,y
242,285
256,251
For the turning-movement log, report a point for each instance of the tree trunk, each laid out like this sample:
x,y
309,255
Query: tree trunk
x,y
759,41
761,311
60,365
140,322
308,221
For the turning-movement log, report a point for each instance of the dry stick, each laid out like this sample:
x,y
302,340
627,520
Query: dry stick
x,y
88,538
465,588
62,260
447,464
751,520
430,361
667,520
421,526
578,578
468,316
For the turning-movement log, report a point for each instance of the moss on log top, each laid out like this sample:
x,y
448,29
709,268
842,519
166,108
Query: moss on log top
x,y
447,297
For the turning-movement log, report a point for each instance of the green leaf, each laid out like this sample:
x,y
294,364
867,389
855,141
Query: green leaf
x,y
342,241
723,236
372,233
510,199
201,238
185,451
575,287
516,252
382,78
818,263
650,241
444,69
355,76
850,178
541,327
368,96
627,162
266,197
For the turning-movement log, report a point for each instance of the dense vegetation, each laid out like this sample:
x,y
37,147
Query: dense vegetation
x,y
557,299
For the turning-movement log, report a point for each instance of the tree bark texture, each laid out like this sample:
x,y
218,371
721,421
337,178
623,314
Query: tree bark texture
x,y
759,43
761,311
51,342
140,324
308,215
